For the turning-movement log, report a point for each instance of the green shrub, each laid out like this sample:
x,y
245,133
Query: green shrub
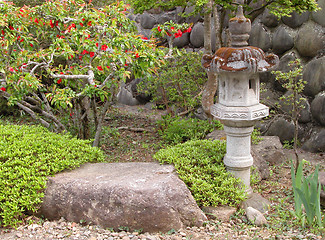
x,y
179,83
199,164
28,155
177,130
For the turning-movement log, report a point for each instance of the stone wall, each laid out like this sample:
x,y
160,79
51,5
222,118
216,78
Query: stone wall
x,y
298,36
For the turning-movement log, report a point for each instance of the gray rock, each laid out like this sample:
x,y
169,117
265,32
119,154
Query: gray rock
x,y
281,41
257,202
147,21
255,217
221,213
217,135
296,19
318,108
316,143
146,196
197,35
281,128
269,20
268,152
310,39
166,17
259,37
193,18
125,95
182,41
314,75
319,16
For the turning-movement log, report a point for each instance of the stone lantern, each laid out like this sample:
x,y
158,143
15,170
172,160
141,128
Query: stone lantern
x,y
237,69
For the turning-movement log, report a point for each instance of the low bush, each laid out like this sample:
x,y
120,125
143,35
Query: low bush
x,y
199,164
28,155
178,130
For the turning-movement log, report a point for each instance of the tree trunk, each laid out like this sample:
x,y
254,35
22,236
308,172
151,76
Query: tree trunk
x,y
100,123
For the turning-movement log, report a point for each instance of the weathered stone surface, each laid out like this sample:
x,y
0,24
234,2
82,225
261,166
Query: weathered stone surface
x,y
217,135
269,20
316,143
259,37
125,95
166,17
147,21
319,16
255,217
268,152
281,128
321,178
314,75
146,196
257,202
295,20
310,39
318,108
182,41
197,35
281,41
222,213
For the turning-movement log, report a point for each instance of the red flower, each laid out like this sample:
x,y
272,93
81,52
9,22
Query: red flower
x,y
178,33
172,28
108,67
159,29
31,45
104,47
36,20
84,52
137,55
100,68
83,19
3,32
80,57
144,38
21,40
189,29
89,23
11,69
168,33
81,24
96,44
11,27
59,81
51,24
126,65
3,89
92,54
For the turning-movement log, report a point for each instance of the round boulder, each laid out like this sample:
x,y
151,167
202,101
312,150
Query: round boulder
x,y
147,21
316,143
269,19
296,19
319,16
197,35
282,41
146,196
310,39
259,37
318,108
281,128
314,75
182,41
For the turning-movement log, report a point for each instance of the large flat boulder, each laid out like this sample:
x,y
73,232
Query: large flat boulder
x,y
146,196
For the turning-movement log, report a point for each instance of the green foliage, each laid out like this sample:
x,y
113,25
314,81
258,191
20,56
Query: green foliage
x,y
178,130
306,192
256,136
28,155
199,164
179,83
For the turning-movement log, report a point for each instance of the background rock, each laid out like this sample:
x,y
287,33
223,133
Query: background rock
x,y
260,37
316,143
197,35
281,41
319,16
281,128
147,21
314,75
296,20
318,108
269,20
255,217
146,196
310,40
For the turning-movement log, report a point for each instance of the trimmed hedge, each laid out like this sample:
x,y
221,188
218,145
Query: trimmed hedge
x,y
199,164
28,155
